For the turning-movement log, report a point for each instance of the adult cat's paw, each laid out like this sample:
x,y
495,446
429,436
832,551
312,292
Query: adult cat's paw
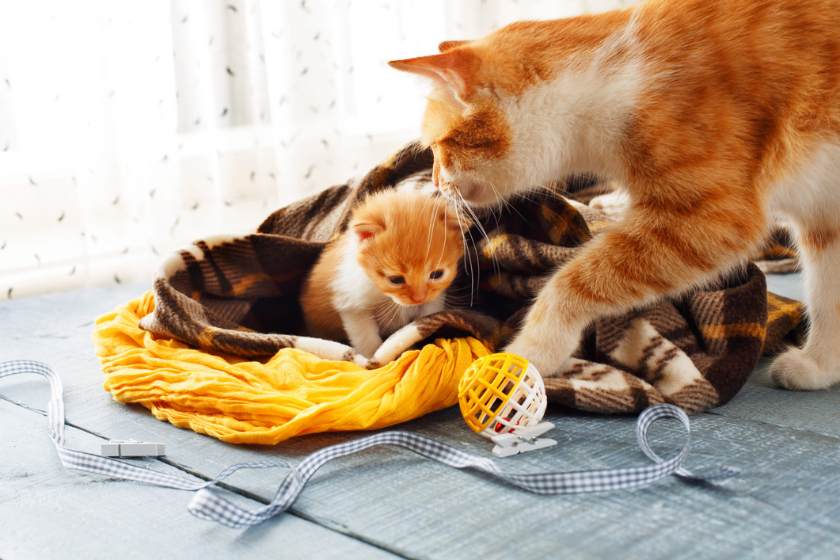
x,y
612,204
795,371
546,361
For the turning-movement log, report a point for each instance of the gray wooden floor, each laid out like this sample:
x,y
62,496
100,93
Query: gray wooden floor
x,y
391,503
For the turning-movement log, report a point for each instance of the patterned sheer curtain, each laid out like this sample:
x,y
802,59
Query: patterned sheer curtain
x,y
129,129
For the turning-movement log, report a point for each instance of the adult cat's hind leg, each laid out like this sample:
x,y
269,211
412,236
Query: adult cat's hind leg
x,y
817,364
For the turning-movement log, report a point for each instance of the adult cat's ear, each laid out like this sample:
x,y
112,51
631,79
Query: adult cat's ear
x,y
365,230
449,45
453,69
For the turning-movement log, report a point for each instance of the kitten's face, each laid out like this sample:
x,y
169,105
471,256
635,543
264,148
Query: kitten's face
x,y
409,244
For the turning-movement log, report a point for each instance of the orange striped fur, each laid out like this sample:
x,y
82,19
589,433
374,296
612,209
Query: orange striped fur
x,y
712,114
398,256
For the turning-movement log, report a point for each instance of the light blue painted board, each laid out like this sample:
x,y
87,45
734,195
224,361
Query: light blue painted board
x,y
420,509
788,285
762,401
56,329
786,499
47,511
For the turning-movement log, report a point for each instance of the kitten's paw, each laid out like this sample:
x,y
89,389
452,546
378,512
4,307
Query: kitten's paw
x,y
795,371
366,353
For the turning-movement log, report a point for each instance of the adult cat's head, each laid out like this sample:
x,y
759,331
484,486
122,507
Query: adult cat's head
x,y
518,108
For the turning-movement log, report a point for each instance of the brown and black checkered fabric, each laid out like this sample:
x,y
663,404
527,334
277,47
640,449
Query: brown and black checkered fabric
x,y
239,296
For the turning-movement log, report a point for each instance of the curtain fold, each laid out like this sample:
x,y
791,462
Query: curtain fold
x,y
129,129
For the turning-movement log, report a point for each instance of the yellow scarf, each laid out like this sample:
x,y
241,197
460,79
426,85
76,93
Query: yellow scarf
x,y
292,393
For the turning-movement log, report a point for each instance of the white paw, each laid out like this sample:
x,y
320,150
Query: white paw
x,y
795,371
611,204
546,362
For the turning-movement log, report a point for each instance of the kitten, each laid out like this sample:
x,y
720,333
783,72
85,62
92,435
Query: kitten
x,y
392,266
712,114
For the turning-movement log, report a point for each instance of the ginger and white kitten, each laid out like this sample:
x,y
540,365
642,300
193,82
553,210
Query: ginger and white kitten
x,y
712,114
392,266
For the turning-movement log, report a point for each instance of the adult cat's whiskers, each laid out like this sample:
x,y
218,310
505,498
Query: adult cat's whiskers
x,y
496,268
540,193
468,255
506,204
454,300
530,196
430,232
442,249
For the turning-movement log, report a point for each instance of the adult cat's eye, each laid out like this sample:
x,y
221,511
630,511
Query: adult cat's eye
x,y
436,274
397,280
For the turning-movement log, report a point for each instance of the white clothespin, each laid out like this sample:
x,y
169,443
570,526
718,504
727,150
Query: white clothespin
x,y
522,440
502,398
132,448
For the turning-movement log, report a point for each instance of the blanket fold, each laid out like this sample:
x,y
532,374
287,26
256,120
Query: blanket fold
x,y
238,296
292,393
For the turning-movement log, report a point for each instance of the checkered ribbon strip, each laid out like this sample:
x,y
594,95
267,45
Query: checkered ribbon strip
x,y
208,505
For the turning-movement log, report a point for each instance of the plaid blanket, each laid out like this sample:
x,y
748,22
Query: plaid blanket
x,y
239,296
777,254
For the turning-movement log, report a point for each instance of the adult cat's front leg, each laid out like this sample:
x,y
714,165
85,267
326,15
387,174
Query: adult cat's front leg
x,y
652,252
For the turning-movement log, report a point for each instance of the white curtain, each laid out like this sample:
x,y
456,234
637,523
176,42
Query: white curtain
x,y
128,129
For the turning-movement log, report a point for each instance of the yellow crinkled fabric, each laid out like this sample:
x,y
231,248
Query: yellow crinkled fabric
x,y
292,393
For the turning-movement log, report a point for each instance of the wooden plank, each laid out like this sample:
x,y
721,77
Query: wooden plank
x,y
785,498
762,401
781,506
48,511
788,285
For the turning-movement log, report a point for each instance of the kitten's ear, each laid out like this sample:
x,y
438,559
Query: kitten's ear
x,y
449,45
365,230
454,69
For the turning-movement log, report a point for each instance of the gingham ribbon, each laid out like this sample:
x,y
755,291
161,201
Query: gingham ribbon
x,y
208,505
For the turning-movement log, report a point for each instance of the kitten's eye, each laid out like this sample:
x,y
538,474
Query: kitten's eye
x,y
397,280
437,274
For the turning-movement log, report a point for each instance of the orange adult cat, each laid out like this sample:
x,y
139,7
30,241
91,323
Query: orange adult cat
x,y
711,113
398,255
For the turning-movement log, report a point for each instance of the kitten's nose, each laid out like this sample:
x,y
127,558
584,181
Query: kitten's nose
x,y
417,298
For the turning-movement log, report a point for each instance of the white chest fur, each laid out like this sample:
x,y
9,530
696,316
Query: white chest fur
x,y
356,294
